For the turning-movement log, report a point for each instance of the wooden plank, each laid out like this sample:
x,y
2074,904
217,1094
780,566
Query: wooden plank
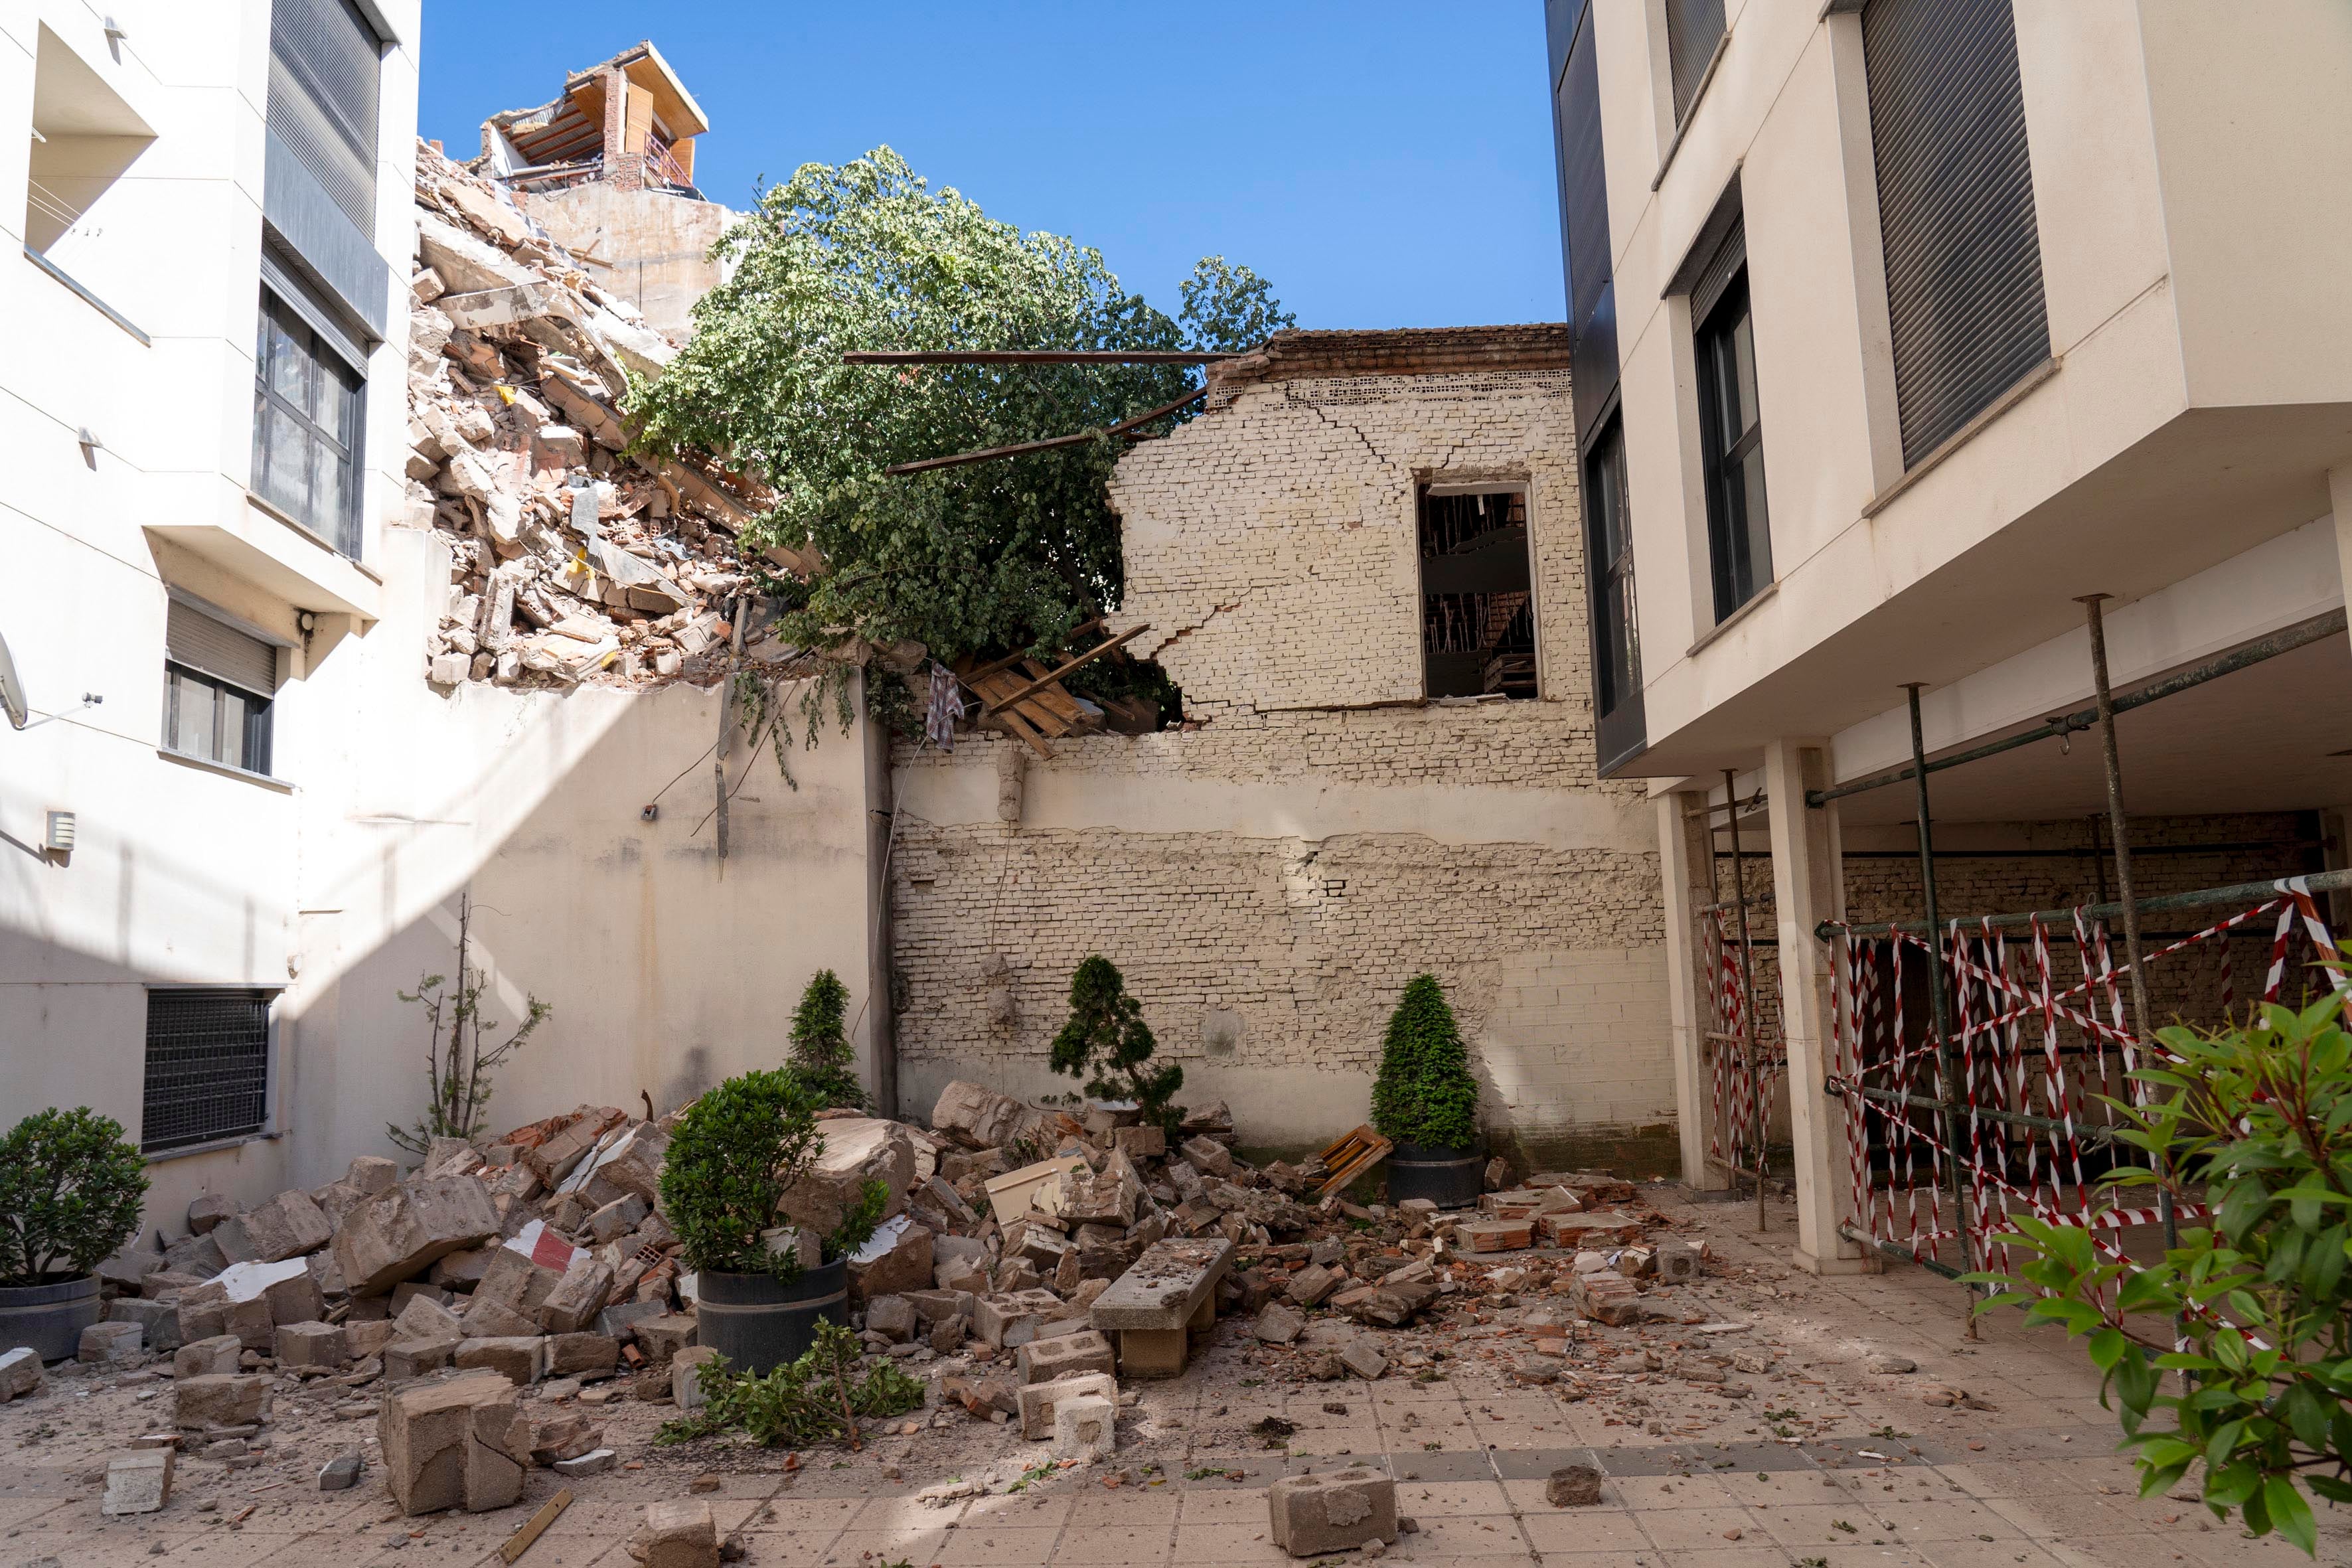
x,y
1124,426
1094,653
1053,698
1022,730
549,1511
1044,720
1009,660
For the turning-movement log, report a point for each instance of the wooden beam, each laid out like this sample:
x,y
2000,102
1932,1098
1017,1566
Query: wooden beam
x,y
1044,681
520,1541
1029,356
980,457
1009,660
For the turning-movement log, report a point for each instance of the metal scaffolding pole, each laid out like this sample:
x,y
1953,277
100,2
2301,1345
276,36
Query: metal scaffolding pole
x,y
1947,1066
2119,827
1747,997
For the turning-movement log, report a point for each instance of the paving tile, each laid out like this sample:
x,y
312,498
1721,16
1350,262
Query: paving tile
x,y
1698,1529
1433,1499
1584,1530
1469,1536
992,1544
1228,1542
915,1545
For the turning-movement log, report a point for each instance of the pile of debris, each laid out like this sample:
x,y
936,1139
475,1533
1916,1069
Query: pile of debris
x,y
1029,1257
574,560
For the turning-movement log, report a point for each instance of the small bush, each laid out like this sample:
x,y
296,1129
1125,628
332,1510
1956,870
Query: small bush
x,y
1425,1093
71,1187
1107,1042
821,1052
736,1151
813,1399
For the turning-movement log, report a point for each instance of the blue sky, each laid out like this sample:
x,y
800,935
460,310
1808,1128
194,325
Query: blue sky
x,y
1384,165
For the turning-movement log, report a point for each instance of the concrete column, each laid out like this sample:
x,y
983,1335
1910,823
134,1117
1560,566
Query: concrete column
x,y
1683,849
1807,885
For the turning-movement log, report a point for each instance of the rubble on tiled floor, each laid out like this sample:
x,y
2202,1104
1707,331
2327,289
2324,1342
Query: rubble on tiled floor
x,y
1751,1415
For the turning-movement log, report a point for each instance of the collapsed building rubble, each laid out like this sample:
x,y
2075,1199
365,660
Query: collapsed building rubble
x,y
485,1309
574,560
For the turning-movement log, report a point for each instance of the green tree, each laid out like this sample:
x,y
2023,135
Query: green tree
x,y
2255,1123
821,1053
71,1187
1425,1093
1011,553
1106,1042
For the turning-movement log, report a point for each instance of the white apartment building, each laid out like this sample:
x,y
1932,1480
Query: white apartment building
x,y
1900,326
236,821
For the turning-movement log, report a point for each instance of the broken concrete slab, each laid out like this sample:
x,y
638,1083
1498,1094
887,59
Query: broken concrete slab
x,y
520,1359
110,1343
897,1260
287,1226
217,1399
678,1535
575,1299
399,1233
311,1345
1573,1486
21,1375
405,1360
216,1355
979,1118
686,1377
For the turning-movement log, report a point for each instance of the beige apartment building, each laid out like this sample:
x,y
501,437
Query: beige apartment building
x,y
1900,327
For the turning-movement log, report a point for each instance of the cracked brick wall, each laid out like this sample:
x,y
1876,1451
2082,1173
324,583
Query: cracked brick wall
x,y
1269,876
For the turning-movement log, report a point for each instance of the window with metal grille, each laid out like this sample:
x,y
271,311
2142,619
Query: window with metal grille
x,y
1954,209
1477,603
324,67
207,1067
1731,437
306,426
1693,27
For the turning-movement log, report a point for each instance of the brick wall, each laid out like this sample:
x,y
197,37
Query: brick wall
x,y
1272,546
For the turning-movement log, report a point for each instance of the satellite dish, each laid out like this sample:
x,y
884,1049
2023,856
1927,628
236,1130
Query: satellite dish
x,y
12,691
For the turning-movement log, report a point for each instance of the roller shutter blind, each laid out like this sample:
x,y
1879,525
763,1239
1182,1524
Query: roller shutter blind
x,y
1693,30
325,62
1954,209
1730,256
194,638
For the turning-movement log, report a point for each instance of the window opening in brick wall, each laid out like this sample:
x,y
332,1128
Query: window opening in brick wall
x,y
1477,599
207,1067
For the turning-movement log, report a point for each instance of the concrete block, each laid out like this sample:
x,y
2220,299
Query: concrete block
x,y
1011,1318
220,1399
583,1356
520,1359
405,1360
138,1482
459,1444
1335,1511
1277,1324
216,1355
364,1337
1062,1356
1573,1486
310,1345
208,1209
576,1298
422,1318
20,1374
686,1377
1036,1400
108,1343
1363,1358
343,1472
287,1226
678,1535
892,1316
1152,1353
1086,1427
664,1336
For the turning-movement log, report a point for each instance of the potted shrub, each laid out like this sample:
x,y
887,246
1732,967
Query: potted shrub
x,y
71,1187
1425,1101
735,1153
821,1050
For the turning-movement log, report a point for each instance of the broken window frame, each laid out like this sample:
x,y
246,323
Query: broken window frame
x,y
318,361
1430,612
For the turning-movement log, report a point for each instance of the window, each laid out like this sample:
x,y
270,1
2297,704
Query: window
x,y
324,70
1693,27
1731,432
1954,209
306,426
1477,605
1609,560
207,1067
218,683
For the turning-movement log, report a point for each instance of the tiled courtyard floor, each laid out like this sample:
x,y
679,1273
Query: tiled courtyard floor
x,y
1823,1465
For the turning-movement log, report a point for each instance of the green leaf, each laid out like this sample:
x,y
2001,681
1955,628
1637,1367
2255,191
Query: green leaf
x,y
2107,1347
2289,1514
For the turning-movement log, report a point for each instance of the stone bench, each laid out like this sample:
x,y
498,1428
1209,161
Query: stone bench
x,y
1169,1290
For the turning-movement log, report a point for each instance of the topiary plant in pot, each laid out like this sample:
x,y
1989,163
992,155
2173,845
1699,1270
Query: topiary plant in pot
x,y
735,1153
1425,1101
71,1187
821,1050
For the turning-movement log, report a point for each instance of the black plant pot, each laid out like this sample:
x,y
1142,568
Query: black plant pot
x,y
1450,1178
759,1322
49,1317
